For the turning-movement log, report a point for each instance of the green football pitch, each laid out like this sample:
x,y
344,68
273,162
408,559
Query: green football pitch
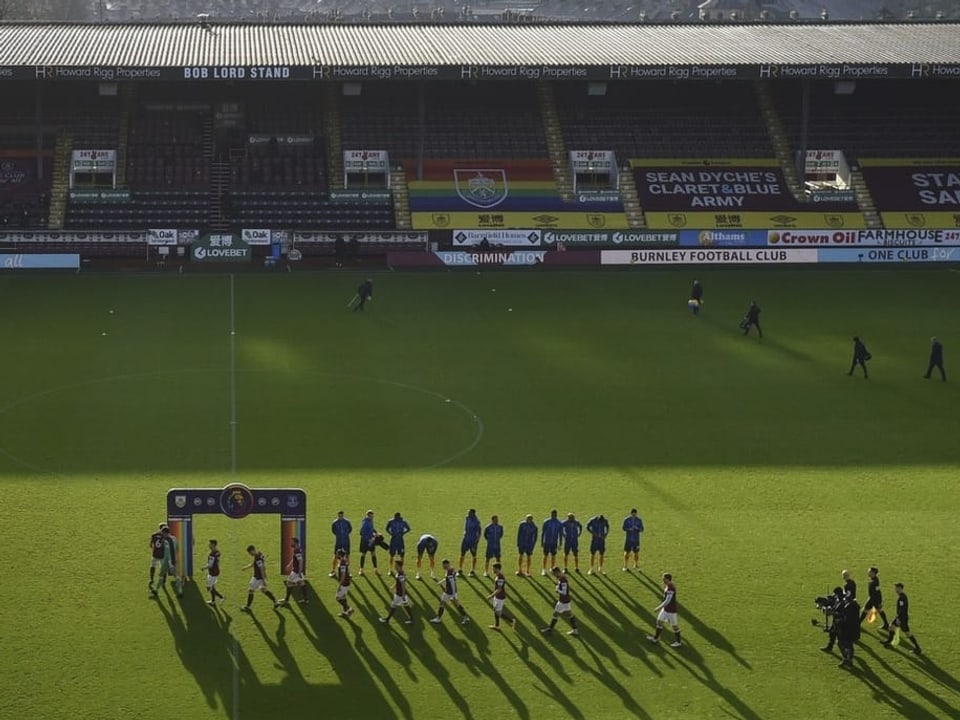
x,y
760,469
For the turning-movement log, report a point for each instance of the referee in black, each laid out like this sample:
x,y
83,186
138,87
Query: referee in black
x,y
364,292
936,359
875,598
902,620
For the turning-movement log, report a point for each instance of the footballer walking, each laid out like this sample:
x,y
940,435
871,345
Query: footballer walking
x,y
499,597
343,583
563,606
667,613
449,595
296,577
213,574
400,596
902,621
156,556
259,579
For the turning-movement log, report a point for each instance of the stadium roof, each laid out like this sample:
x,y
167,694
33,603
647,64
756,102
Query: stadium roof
x,y
171,45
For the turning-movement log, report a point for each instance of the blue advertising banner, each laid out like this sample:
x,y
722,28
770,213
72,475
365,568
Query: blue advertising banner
x,y
889,255
39,261
723,238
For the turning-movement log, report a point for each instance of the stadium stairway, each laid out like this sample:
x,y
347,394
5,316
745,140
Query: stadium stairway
x,y
861,192
219,187
61,180
780,141
331,131
129,93
631,201
401,198
556,146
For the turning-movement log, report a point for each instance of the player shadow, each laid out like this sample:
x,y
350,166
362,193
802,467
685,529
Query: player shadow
x,y
615,625
947,709
396,646
880,686
787,351
521,641
928,667
354,662
571,646
206,646
698,626
689,658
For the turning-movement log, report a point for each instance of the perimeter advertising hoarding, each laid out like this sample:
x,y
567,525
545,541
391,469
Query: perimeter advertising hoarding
x,y
37,261
709,256
493,258
915,192
723,238
890,255
512,238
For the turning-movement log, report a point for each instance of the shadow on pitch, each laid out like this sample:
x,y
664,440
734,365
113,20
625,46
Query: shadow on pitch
x,y
946,709
203,643
698,626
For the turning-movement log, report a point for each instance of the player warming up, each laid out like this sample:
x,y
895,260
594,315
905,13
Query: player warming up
x,y
427,544
633,529
364,293
213,574
572,530
400,596
470,541
259,579
598,527
499,597
563,606
449,595
550,535
526,544
341,529
493,534
343,583
296,577
667,613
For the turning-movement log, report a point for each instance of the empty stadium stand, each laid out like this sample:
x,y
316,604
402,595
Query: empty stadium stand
x,y
662,119
921,122
462,120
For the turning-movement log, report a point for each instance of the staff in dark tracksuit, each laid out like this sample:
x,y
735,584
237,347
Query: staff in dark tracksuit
x,y
696,293
752,319
860,357
936,359
364,292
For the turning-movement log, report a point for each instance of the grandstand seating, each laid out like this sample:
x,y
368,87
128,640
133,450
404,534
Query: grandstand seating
x,y
462,120
921,122
145,209
657,119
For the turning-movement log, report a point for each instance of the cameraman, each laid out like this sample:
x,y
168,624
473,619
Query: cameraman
x,y
847,623
831,606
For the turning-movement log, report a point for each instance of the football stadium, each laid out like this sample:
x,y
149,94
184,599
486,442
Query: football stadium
x,y
433,360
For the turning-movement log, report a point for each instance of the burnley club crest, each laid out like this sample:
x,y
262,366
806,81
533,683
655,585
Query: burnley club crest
x,y
481,188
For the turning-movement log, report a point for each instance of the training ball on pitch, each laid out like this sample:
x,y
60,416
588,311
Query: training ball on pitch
x,y
103,334
111,312
447,400
493,289
509,309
